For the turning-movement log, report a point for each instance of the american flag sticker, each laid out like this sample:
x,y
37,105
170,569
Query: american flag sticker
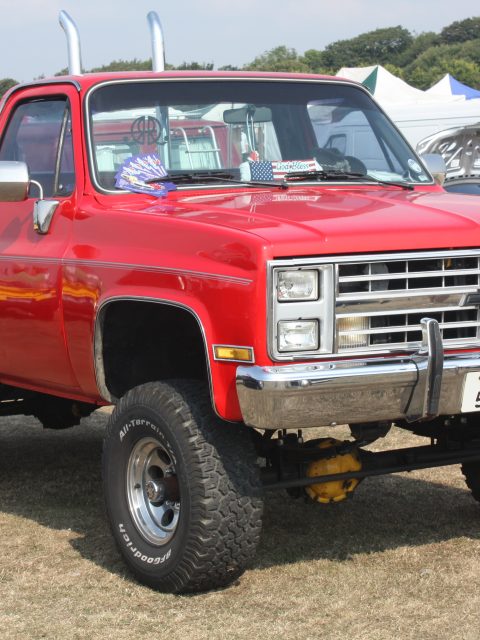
x,y
278,169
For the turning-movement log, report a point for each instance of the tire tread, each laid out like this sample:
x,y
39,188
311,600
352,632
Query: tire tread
x,y
226,493
471,471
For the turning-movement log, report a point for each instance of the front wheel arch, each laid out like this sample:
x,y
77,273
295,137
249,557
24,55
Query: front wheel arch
x,y
139,340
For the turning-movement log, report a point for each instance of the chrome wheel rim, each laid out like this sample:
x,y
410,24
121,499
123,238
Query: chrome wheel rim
x,y
152,491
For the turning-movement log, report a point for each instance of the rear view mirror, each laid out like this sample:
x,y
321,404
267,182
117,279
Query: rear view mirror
x,y
14,181
247,114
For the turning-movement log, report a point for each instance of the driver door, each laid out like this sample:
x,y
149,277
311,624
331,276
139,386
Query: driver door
x,y
38,131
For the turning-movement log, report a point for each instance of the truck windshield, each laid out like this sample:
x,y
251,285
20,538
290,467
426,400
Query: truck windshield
x,y
252,129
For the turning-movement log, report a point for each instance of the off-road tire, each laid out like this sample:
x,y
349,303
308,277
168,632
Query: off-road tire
x,y
219,520
471,471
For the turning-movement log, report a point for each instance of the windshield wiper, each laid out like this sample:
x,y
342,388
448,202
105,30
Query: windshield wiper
x,y
344,175
216,176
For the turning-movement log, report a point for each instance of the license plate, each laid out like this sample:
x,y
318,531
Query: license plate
x,y
471,393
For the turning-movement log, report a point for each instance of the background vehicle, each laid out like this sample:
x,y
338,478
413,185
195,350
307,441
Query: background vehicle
x,y
469,186
460,148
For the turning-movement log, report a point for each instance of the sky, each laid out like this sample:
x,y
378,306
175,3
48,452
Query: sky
x,y
217,31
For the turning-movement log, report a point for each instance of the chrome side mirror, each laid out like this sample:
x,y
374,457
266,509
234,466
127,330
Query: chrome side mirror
x,y
436,165
14,185
14,181
43,211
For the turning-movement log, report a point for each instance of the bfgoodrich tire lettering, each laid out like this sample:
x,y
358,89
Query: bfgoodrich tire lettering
x,y
182,489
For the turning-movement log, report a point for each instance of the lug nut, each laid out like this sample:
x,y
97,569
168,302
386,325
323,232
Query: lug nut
x,y
155,491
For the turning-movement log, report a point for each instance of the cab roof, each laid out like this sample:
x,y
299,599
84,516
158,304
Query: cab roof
x,y
87,80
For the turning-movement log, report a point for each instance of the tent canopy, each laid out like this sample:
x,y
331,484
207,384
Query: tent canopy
x,y
389,89
416,113
450,86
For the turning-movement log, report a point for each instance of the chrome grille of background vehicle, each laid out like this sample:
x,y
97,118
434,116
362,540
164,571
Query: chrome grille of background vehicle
x,y
381,299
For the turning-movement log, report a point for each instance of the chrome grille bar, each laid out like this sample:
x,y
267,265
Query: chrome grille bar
x,y
412,327
410,276
380,300
402,310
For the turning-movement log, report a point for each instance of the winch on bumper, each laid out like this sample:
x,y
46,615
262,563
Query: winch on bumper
x,y
419,387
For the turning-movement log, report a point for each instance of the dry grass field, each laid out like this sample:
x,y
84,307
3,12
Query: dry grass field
x,y
400,560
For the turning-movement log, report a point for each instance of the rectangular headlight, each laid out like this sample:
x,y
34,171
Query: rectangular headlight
x,y
297,335
296,285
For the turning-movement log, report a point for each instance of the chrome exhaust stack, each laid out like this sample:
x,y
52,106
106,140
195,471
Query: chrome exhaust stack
x,y
73,43
158,44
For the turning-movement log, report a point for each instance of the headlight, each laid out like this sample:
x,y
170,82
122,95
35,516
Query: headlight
x,y
298,335
297,285
301,309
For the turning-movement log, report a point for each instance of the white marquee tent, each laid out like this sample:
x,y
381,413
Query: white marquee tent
x,y
416,113
450,86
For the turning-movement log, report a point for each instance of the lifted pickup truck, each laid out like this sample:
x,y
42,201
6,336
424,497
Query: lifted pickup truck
x,y
306,271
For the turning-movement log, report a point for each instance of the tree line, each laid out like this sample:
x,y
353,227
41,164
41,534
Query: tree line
x,y
419,59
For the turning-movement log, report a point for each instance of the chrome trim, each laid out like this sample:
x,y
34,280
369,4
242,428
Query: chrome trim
x,y
73,43
157,39
411,275
401,329
43,211
358,305
39,187
227,78
319,309
152,510
60,145
14,181
232,346
98,342
297,396
377,257
366,304
425,400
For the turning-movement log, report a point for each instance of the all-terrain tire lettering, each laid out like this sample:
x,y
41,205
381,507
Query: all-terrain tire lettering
x,y
219,520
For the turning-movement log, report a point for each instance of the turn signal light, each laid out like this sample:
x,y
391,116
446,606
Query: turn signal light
x,y
240,354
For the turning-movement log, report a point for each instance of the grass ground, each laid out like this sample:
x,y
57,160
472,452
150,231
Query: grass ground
x,y
400,560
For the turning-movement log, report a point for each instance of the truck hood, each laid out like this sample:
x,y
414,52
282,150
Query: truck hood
x,y
326,220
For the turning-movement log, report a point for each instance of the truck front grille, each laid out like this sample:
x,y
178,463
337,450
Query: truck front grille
x,y
381,300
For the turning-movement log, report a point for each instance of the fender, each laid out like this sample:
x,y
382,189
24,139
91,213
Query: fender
x,y
98,340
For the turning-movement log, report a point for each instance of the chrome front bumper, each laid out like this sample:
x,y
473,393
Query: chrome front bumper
x,y
421,386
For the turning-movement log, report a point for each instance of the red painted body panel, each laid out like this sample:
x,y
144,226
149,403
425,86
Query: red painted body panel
x,y
203,249
208,253
214,271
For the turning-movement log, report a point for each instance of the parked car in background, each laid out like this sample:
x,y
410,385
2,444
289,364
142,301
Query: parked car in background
x,y
460,148
470,186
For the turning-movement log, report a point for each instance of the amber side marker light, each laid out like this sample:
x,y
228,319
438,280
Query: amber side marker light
x,y
233,354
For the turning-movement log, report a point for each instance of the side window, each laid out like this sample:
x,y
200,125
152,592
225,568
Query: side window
x,y
40,134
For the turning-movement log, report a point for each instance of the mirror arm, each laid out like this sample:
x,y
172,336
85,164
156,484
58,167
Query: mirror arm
x,y
40,188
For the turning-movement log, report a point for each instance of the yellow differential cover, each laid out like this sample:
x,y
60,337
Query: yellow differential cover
x,y
337,490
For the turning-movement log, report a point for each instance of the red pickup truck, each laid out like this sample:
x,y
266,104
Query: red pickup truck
x,y
306,271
